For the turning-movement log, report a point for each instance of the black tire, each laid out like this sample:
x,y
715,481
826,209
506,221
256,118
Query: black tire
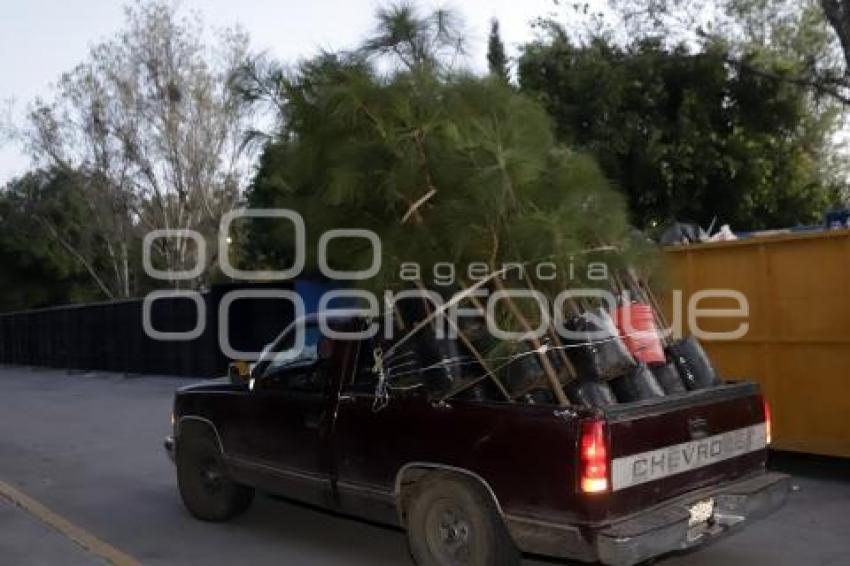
x,y
453,521
207,490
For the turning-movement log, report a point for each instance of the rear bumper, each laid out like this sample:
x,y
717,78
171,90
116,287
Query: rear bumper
x,y
664,530
657,531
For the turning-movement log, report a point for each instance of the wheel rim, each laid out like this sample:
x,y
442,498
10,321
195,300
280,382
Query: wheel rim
x,y
448,533
211,475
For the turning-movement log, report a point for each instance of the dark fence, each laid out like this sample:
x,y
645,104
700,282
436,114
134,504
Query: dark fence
x,y
110,336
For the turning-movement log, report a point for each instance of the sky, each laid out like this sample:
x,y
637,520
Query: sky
x,y
41,39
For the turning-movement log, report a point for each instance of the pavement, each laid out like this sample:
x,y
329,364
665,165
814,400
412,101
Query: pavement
x,y
24,539
86,450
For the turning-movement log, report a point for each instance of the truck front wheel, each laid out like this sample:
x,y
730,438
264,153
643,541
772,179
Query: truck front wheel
x,y
207,490
451,521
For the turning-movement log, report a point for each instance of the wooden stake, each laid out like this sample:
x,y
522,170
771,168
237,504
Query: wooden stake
x,y
472,349
553,334
554,383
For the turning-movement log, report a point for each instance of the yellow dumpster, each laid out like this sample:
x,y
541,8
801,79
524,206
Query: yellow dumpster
x,y
797,339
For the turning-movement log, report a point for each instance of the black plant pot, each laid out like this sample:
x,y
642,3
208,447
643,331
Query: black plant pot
x,y
522,373
638,385
450,362
693,364
597,351
437,363
482,392
540,397
590,393
668,377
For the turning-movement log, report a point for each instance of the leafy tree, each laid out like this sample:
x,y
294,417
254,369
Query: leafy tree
x,y
682,134
496,57
38,269
837,13
814,33
151,122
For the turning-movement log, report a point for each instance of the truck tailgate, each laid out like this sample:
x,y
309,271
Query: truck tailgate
x,y
663,448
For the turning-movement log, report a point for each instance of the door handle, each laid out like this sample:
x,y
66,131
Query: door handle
x,y
347,399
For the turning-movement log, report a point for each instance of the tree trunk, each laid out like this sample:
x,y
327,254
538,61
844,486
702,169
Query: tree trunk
x,y
838,14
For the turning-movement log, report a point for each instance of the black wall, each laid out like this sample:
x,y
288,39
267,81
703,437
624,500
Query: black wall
x,y
110,336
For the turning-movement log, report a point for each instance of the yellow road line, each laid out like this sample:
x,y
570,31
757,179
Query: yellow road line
x,y
77,534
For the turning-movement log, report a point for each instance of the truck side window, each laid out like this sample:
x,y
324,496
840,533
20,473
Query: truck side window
x,y
285,355
314,380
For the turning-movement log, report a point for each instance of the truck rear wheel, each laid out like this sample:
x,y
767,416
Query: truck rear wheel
x,y
207,490
451,521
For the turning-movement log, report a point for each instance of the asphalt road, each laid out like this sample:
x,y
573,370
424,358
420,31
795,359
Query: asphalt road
x,y
88,447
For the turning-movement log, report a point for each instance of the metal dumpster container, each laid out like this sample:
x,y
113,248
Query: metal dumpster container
x,y
798,342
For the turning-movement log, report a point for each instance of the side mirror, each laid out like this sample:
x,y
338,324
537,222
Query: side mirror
x,y
239,372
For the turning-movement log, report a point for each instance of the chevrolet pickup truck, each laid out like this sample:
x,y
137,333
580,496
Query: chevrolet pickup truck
x,y
474,482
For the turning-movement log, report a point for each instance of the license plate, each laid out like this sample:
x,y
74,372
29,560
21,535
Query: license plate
x,y
701,512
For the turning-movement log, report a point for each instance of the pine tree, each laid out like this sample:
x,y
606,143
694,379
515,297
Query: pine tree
x,y
496,57
445,167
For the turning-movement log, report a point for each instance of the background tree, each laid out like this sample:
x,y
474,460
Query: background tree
x,y
684,135
497,60
152,125
838,14
39,270
816,29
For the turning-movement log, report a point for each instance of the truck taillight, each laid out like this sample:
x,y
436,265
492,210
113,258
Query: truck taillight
x,y
593,456
767,419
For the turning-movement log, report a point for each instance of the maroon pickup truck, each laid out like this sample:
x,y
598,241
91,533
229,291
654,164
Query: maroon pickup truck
x,y
475,482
